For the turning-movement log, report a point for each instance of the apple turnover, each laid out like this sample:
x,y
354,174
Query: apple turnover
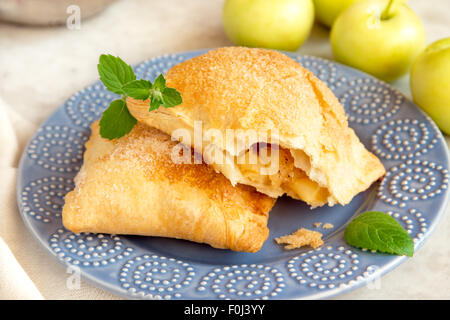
x,y
320,159
131,185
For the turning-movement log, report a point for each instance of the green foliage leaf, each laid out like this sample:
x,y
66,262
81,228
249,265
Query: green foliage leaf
x,y
375,230
155,101
116,121
114,73
160,83
138,89
171,97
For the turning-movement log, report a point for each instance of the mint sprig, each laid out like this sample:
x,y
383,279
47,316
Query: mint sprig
x,y
119,77
158,93
378,231
114,73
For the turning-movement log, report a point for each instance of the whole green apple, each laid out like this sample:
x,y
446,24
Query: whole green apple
x,y
275,24
380,37
430,82
328,10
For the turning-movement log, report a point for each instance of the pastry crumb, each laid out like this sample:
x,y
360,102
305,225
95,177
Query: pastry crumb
x,y
317,224
327,226
300,238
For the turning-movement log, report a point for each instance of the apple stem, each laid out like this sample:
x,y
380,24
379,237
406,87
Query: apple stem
x,y
385,14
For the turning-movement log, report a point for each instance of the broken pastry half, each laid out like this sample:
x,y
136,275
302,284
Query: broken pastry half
x,y
268,95
131,186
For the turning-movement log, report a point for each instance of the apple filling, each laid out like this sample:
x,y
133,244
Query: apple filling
x,y
259,166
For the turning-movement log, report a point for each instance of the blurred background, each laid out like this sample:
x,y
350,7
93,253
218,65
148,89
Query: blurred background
x,y
48,64
49,49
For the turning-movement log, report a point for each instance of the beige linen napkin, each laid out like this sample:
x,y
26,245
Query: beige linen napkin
x,y
14,282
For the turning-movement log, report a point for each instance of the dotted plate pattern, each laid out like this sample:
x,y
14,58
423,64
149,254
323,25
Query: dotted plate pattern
x,y
414,191
244,282
154,276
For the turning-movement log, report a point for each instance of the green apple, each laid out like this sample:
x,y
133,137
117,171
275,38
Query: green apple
x,y
328,10
380,37
275,24
430,82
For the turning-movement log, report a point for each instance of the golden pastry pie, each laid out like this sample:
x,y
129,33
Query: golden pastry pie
x,y
321,160
131,186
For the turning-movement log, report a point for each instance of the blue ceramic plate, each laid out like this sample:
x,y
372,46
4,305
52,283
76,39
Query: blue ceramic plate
x,y
414,191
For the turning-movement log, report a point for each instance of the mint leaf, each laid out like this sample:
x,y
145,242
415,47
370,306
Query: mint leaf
x,y
171,97
375,230
160,83
116,121
114,73
155,101
138,89
162,95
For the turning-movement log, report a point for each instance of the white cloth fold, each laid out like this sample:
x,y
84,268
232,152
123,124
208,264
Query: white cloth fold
x,y
14,282
8,140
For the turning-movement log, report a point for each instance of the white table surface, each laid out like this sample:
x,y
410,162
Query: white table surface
x,y
41,67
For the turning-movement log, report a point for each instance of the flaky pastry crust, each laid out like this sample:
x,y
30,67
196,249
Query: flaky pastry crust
x,y
131,186
262,90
